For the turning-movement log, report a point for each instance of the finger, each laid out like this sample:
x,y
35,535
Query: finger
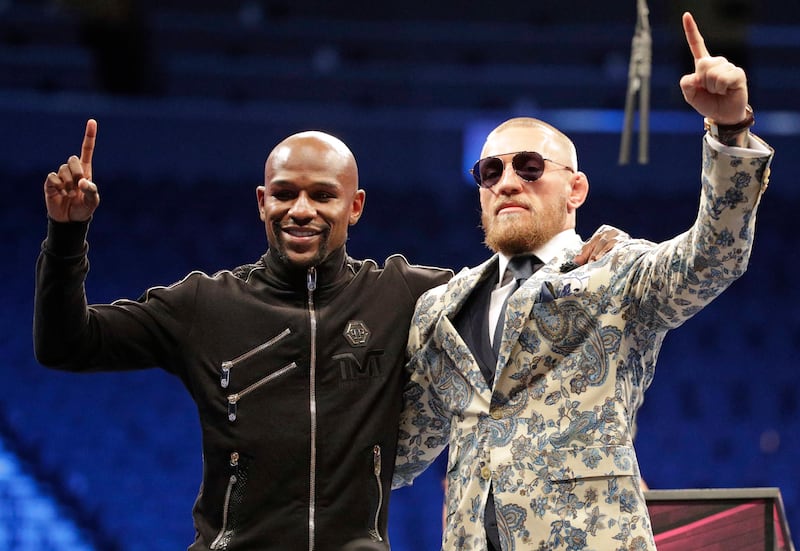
x,y
604,250
588,252
603,247
76,170
91,197
596,254
67,182
53,185
693,37
719,76
689,85
87,148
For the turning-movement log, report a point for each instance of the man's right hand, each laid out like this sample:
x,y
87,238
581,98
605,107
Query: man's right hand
x,y
70,194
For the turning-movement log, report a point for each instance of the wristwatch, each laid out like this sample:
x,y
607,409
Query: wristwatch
x,y
728,133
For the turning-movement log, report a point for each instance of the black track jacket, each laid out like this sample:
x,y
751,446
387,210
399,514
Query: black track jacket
x,y
297,377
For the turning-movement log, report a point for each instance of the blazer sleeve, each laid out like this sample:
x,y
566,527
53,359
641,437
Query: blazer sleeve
x,y
424,421
669,282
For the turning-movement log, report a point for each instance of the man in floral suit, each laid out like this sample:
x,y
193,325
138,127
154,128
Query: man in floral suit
x,y
539,418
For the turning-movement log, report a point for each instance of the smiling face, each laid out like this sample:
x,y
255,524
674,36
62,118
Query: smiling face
x,y
519,216
309,198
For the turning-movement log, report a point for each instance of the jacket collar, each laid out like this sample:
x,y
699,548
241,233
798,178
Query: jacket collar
x,y
333,272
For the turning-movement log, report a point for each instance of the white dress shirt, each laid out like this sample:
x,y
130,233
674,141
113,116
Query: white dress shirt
x,y
567,239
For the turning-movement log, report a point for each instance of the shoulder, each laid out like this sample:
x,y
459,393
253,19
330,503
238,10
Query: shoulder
x,y
181,290
198,279
243,272
416,277
400,263
401,278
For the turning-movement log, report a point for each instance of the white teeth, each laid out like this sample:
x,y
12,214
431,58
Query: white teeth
x,y
297,233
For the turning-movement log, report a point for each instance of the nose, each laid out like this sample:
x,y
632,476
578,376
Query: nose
x,y
302,210
509,182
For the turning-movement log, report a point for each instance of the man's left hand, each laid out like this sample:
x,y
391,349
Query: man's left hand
x,y
717,89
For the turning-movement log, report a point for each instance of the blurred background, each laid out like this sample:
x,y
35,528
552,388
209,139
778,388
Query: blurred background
x,y
191,96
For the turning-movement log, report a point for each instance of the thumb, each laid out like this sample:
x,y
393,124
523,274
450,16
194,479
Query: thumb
x,y
91,196
689,87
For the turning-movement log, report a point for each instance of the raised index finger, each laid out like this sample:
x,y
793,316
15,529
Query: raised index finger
x,y
693,37
87,148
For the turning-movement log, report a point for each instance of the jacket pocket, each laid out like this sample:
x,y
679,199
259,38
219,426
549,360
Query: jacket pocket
x,y
233,399
580,463
227,366
234,494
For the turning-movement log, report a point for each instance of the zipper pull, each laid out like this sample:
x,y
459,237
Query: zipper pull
x,y
312,279
225,378
376,459
232,399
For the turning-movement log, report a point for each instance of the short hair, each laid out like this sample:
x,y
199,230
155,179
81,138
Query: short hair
x,y
530,122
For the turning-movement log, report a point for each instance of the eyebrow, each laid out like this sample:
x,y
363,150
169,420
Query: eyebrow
x,y
317,184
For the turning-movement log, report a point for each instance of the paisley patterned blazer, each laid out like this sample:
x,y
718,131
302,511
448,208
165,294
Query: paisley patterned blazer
x,y
553,435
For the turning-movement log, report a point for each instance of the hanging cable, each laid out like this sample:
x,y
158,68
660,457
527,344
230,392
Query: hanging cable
x,y
639,71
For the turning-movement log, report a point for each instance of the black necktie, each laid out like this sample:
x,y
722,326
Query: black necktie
x,y
520,269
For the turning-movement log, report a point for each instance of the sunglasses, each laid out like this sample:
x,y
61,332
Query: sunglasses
x,y
528,165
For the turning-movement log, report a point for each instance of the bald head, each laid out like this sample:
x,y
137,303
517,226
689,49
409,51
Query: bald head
x,y
314,150
529,134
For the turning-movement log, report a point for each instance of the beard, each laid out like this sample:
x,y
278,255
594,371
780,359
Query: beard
x,y
281,250
523,232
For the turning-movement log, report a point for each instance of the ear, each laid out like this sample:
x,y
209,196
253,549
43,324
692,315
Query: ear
x,y
357,207
261,193
579,189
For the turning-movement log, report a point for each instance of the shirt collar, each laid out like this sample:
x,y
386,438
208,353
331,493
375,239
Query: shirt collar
x,y
567,239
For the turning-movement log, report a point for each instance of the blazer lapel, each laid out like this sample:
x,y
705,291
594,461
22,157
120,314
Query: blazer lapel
x,y
461,286
456,345
520,304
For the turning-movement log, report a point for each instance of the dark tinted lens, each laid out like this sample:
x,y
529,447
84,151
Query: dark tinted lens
x,y
487,171
528,165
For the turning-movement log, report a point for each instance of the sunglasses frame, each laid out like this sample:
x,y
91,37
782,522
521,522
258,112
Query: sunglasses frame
x,y
476,175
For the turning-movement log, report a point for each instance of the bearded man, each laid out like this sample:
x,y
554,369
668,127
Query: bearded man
x,y
534,381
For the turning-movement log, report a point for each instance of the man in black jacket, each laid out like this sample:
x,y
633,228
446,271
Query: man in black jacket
x,y
294,361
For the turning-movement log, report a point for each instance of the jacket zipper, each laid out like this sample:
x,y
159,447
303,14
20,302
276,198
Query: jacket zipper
x,y
225,377
376,469
312,400
233,399
223,537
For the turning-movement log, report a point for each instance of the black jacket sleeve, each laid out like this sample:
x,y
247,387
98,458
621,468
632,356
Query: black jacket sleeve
x,y
69,334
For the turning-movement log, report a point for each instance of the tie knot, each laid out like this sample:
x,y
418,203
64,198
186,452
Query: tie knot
x,y
521,267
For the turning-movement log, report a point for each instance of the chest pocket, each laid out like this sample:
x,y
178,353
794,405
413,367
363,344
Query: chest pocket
x,y
229,368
